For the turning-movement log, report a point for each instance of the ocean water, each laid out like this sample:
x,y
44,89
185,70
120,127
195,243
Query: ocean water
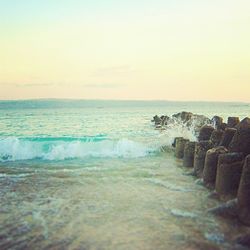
x,y
93,175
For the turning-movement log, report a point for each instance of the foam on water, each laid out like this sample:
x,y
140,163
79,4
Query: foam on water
x,y
215,237
181,213
13,148
170,186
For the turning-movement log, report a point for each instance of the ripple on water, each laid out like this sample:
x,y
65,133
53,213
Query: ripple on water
x,y
170,186
182,213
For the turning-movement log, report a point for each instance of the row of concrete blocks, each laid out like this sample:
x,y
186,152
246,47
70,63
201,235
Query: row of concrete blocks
x,y
227,172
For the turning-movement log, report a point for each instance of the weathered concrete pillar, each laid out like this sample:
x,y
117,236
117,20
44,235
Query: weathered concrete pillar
x,y
217,122
227,137
179,147
228,175
241,139
175,139
188,159
232,122
216,137
243,195
211,161
205,133
223,126
201,149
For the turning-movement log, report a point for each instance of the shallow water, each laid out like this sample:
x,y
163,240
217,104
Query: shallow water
x,y
84,178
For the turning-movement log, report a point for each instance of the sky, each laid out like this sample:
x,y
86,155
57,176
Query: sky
x,y
186,50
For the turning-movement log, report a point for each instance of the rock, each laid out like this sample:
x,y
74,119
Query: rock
x,y
156,120
217,122
226,210
227,137
205,133
241,139
210,167
179,148
188,159
243,240
183,116
243,194
216,137
201,149
228,175
164,120
232,122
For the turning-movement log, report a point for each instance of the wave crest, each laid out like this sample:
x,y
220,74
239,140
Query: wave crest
x,y
13,148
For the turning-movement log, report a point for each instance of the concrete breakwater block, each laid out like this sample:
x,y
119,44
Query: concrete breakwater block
x,y
243,240
241,138
175,139
216,137
205,133
243,195
211,161
217,122
232,122
188,159
228,175
226,210
179,147
227,137
201,149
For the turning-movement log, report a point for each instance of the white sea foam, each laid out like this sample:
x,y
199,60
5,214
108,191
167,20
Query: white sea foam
x,y
176,129
12,149
216,237
182,213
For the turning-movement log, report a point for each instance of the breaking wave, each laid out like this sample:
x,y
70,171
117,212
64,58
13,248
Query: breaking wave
x,y
61,148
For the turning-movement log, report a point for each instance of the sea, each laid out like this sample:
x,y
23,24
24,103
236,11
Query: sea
x,y
92,174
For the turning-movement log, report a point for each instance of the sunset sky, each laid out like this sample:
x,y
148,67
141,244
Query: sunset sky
x,y
133,49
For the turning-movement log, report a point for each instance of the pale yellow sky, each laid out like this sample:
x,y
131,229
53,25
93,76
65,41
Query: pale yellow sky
x,y
169,50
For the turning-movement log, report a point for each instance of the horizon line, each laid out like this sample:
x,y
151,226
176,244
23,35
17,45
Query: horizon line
x,y
118,100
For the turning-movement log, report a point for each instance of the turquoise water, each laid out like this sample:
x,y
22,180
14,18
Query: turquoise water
x,y
92,175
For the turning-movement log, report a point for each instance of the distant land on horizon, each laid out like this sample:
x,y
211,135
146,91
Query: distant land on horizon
x,y
81,103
